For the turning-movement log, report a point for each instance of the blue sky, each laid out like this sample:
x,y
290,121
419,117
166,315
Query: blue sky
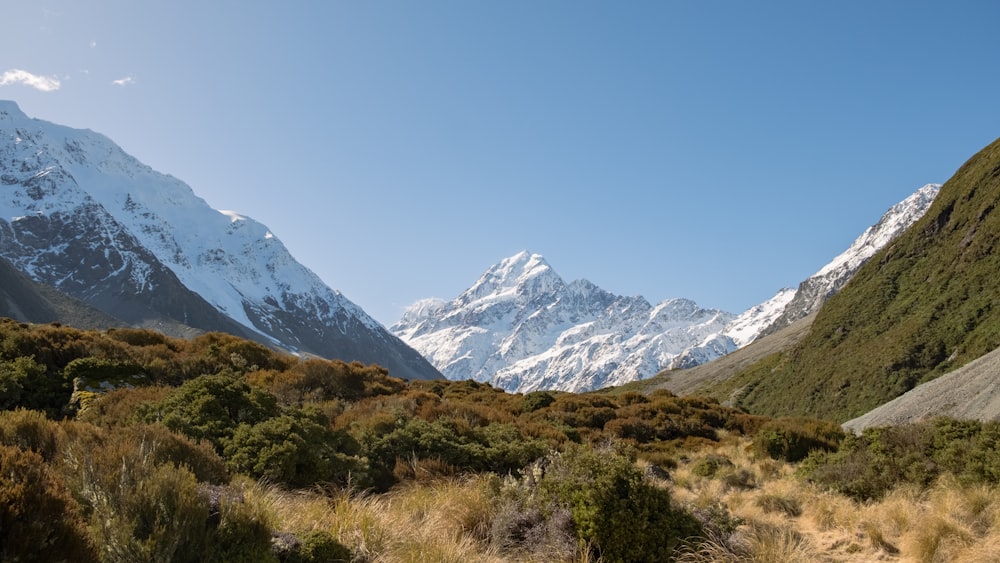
x,y
714,150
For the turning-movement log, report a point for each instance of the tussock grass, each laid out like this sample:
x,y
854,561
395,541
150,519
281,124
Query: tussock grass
x,y
787,519
780,519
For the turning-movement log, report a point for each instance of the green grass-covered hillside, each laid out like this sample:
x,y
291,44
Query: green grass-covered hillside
x,y
927,304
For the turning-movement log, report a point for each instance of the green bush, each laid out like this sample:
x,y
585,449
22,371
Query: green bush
x,y
536,400
12,381
211,407
711,465
138,510
614,508
297,448
318,546
791,439
168,447
238,531
870,465
495,447
39,520
27,383
92,376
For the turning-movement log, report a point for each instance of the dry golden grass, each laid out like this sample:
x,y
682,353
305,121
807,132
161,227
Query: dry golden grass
x,y
770,516
441,521
786,519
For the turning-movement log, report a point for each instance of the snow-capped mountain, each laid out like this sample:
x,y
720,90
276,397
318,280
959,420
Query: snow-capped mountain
x,y
79,214
815,290
522,328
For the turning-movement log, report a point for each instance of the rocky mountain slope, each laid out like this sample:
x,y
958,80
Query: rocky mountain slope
x,y
970,393
523,328
79,214
26,300
925,305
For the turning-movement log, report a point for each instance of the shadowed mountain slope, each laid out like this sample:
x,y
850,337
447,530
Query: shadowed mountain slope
x,y
25,300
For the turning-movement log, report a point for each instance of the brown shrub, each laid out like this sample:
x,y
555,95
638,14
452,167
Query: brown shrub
x,y
39,520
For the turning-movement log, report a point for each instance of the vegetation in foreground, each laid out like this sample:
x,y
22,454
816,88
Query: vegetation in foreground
x,y
125,445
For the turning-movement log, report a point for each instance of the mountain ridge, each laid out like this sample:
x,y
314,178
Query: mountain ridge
x,y
606,339
80,214
923,306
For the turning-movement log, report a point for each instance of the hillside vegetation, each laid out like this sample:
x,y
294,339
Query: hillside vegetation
x,y
926,304
125,445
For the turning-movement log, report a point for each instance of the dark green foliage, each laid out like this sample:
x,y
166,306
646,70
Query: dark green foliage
x,y
211,407
536,400
29,384
872,464
39,520
92,375
94,370
297,448
318,546
711,465
925,305
613,507
237,532
494,447
791,439
12,380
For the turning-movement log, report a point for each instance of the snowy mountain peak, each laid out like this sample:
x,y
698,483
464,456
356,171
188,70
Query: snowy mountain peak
x,y
423,309
522,328
9,110
523,274
817,288
896,219
73,205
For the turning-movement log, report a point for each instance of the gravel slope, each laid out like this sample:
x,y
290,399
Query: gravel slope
x,y
970,392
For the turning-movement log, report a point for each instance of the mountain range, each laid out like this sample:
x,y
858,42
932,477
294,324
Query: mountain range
x,y
91,237
523,328
80,215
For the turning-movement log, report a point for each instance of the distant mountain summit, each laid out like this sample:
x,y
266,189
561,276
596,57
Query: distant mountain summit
x,y
522,327
81,215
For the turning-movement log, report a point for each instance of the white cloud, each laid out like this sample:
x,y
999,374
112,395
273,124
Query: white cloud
x,y
123,81
18,76
93,44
